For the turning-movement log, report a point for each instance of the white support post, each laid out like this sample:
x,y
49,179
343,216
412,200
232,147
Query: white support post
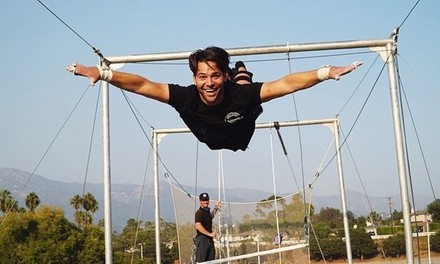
x,y
400,152
156,196
106,172
342,191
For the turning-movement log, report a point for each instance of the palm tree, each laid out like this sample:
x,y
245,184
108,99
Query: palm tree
x,y
77,201
4,195
7,202
90,205
32,201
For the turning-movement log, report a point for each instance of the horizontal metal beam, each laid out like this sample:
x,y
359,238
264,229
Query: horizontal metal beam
x,y
256,254
257,126
259,50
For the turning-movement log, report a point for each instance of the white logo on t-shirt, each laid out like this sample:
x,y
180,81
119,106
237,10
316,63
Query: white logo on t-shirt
x,y
233,117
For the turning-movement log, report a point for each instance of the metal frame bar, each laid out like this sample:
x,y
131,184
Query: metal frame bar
x,y
389,45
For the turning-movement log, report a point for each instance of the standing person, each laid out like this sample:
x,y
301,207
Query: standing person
x,y
204,240
218,112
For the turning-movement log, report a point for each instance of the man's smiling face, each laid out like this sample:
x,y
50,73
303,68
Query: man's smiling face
x,y
209,81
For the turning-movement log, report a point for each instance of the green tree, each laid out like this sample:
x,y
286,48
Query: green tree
x,y
32,201
434,209
15,230
363,247
89,204
76,202
435,242
394,246
329,248
321,230
46,236
126,245
7,202
331,216
93,246
374,217
360,221
50,240
397,215
294,212
266,207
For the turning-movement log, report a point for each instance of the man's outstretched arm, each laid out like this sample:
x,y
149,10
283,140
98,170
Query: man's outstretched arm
x,y
126,81
303,80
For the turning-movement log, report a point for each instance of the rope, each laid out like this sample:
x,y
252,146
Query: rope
x,y
417,137
277,127
149,141
320,169
301,156
193,245
299,143
222,187
175,216
370,207
408,160
90,150
359,114
141,202
44,155
76,33
409,13
359,84
91,142
275,192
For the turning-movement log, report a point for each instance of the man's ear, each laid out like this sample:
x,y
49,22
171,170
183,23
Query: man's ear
x,y
227,76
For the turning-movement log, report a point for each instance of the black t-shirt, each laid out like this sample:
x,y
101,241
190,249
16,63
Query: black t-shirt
x,y
229,125
203,216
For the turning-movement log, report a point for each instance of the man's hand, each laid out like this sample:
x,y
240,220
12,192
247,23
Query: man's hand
x,y
90,72
336,72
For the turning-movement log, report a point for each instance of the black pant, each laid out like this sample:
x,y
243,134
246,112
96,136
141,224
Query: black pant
x,y
205,249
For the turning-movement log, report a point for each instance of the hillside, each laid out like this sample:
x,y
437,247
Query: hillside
x,y
126,197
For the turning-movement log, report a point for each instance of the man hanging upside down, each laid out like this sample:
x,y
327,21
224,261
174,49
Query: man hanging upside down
x,y
218,112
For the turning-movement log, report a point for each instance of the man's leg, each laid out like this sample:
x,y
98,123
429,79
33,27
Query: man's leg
x,y
202,247
211,250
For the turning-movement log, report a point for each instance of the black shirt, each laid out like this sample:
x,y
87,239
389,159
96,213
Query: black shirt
x,y
203,216
229,125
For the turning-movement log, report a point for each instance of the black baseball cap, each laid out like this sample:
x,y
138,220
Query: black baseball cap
x,y
204,197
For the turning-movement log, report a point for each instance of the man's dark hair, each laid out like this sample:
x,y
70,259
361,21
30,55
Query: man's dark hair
x,y
215,54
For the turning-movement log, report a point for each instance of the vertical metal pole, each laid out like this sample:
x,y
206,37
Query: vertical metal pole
x,y
342,190
429,242
106,171
142,250
401,164
156,197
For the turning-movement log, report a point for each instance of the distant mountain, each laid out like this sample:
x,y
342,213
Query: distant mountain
x,y
126,197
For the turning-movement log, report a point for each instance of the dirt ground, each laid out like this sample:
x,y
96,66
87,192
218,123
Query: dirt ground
x,y
303,259
435,259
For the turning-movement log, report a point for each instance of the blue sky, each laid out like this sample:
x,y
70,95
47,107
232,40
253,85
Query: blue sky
x,y
37,94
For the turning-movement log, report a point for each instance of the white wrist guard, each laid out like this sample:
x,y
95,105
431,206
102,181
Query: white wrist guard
x,y
323,72
105,73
